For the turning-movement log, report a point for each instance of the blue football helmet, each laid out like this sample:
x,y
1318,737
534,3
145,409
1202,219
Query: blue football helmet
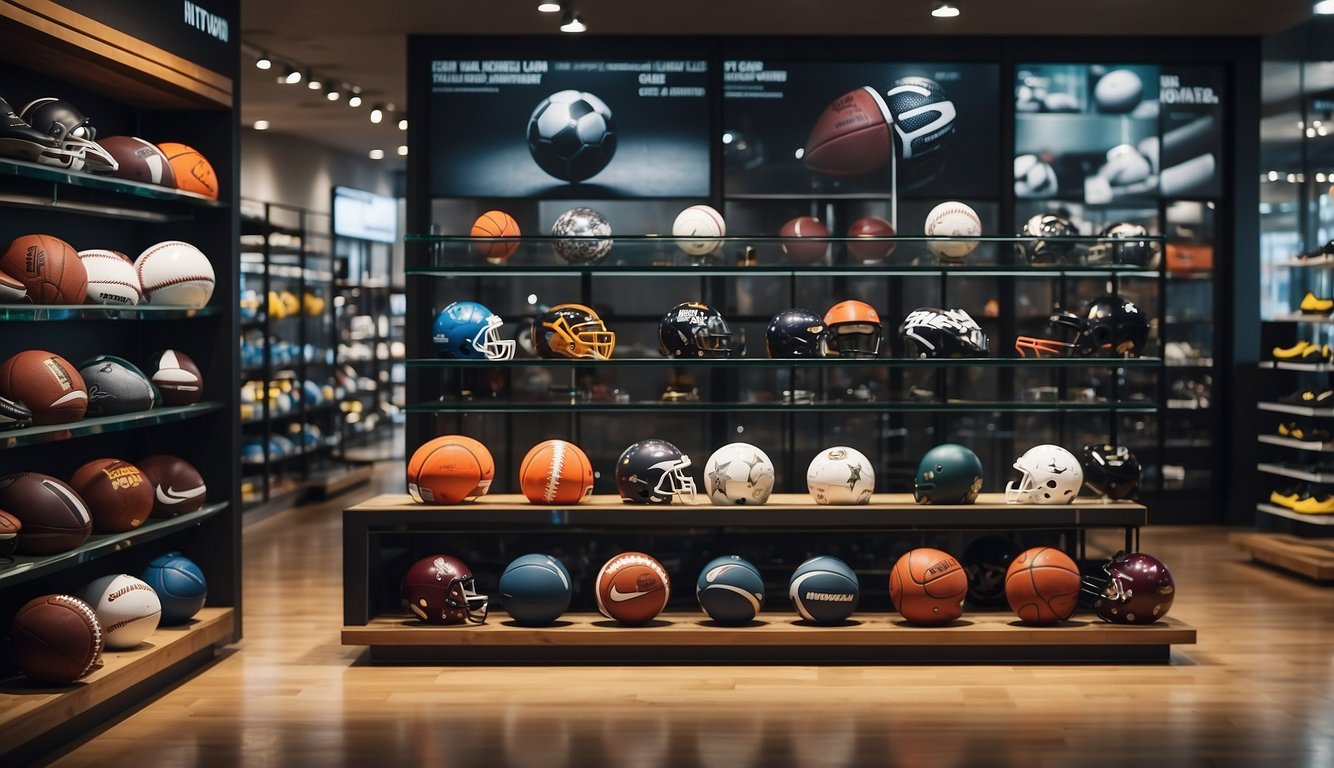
x,y
466,330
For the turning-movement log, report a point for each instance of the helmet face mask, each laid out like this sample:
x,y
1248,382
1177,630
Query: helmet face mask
x,y
1049,474
441,590
1110,326
693,329
72,133
1138,589
654,472
467,330
942,333
572,330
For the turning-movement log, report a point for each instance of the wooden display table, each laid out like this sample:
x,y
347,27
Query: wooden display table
x,y
1312,558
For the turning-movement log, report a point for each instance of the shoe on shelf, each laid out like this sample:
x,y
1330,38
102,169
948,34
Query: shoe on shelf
x,y
1314,305
1294,352
1310,397
1315,353
1286,497
1319,501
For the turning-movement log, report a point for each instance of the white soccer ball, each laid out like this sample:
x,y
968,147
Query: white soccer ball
x,y
112,278
952,219
128,609
699,221
1034,177
175,273
840,475
738,473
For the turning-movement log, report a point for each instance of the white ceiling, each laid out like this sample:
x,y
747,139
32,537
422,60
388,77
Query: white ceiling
x,y
364,43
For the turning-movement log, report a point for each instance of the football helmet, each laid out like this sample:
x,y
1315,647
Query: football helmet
x,y
654,472
1048,474
931,332
795,333
1109,326
948,474
986,560
20,140
572,330
72,133
738,473
853,330
1111,471
466,330
694,329
1138,589
1052,245
840,475
1134,250
439,589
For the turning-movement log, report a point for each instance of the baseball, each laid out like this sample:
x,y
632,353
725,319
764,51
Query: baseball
x,y
173,272
952,219
699,221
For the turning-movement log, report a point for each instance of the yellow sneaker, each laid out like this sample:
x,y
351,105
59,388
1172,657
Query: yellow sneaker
x,y
1321,504
1313,305
1294,352
1285,497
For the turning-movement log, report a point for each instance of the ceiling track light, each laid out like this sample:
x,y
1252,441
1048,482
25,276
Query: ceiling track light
x,y
263,62
572,22
945,10
1324,7
291,75
377,113
333,94
549,7
314,83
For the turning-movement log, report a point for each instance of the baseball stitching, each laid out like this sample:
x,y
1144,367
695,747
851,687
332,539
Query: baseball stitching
x,y
91,617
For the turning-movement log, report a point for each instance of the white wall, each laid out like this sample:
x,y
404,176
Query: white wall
x,y
276,168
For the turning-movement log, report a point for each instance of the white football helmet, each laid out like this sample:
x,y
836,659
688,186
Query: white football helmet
x,y
73,133
840,475
739,473
1049,474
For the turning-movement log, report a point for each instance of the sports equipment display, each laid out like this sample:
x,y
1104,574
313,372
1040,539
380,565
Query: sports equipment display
x,y
175,273
57,639
924,121
824,590
47,384
632,588
139,160
496,224
178,488
466,330
730,590
115,386
1138,589
20,140
1042,586
871,227
931,332
111,278
72,133
948,474
180,586
449,469
928,586
584,236
1111,471
806,242
13,414
572,135
1048,474
986,560
55,519
439,589
177,377
193,171
738,473
127,608
1109,326
853,329
1048,231
654,471
556,472
1034,177
692,330
535,589
1136,250
699,221
118,495
796,332
852,135
952,219
9,533
1119,91
49,269
840,475
12,290
572,330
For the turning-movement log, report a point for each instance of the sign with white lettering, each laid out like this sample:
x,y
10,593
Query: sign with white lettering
x,y
206,32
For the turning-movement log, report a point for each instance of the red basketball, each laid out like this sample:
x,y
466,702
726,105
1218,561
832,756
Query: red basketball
x,y
632,588
805,227
1042,586
54,517
57,639
556,472
178,488
928,586
852,136
449,469
9,533
496,224
119,495
871,226
45,382
48,267
139,160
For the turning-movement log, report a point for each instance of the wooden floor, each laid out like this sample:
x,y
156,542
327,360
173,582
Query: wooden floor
x,y
1257,690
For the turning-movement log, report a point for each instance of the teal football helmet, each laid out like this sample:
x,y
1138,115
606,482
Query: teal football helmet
x,y
948,474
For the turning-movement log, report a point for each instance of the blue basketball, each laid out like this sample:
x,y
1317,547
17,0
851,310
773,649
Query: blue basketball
x,y
535,590
824,590
730,590
179,584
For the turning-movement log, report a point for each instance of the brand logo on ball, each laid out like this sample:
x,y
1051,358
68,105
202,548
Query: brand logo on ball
x,y
34,260
828,597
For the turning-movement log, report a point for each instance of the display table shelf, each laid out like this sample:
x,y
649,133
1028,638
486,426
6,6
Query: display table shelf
x,y
1312,558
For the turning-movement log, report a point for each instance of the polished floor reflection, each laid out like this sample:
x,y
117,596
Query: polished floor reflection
x,y
1256,690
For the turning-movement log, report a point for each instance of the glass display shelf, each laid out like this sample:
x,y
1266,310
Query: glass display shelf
x,y
1295,473
51,433
1286,366
1300,318
57,312
1296,410
1277,511
26,567
1301,445
576,405
741,363
48,173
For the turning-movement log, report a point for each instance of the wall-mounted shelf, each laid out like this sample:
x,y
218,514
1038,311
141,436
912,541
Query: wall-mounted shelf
x,y
1277,511
50,433
1296,410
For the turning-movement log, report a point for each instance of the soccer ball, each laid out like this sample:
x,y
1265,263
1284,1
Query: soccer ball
x,y
572,135
738,473
581,236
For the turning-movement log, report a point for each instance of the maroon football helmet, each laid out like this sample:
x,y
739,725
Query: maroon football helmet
x,y
439,590
1138,590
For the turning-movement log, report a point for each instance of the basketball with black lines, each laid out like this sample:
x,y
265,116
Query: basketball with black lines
x,y
556,472
496,224
632,588
449,469
1042,586
927,586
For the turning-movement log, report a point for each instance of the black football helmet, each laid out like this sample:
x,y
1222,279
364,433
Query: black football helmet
x,y
73,134
986,560
1109,326
796,333
1133,248
20,140
1051,245
1111,471
694,329
1138,589
654,472
932,332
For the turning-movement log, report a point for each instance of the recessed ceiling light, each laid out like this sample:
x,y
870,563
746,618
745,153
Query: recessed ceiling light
x,y
573,22
377,113
403,124
333,94
377,154
549,7
314,83
263,62
292,76
1324,7
261,125
403,150
354,100
945,11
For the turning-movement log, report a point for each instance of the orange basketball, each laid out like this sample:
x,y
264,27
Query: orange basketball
x,y
928,586
496,224
1042,586
48,267
556,472
193,171
632,588
449,469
